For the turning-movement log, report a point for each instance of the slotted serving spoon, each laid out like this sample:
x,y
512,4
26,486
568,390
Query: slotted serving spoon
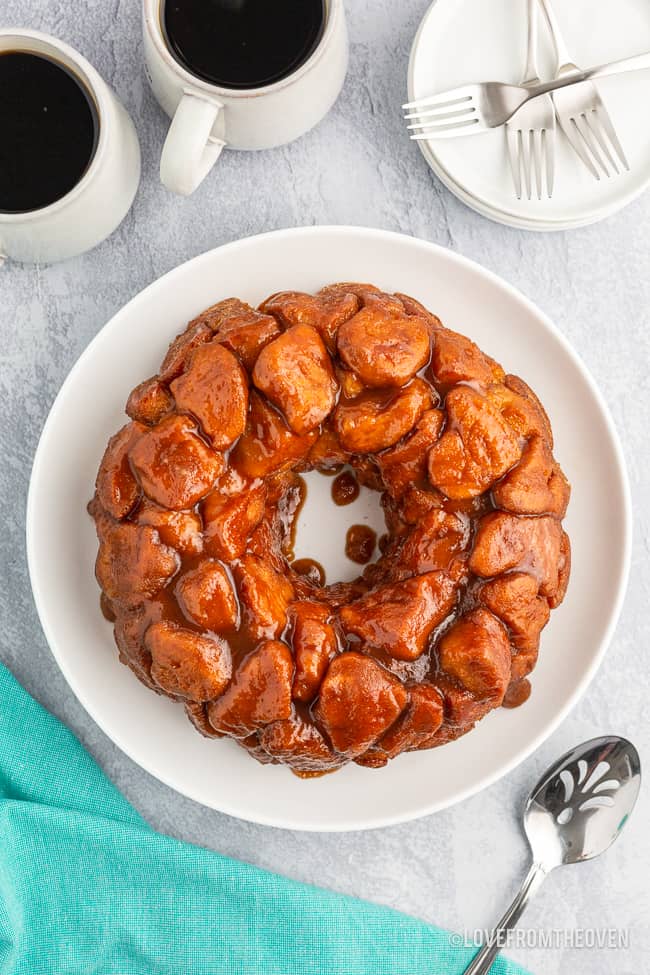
x,y
574,813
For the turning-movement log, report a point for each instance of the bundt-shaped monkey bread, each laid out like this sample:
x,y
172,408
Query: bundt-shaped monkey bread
x,y
196,496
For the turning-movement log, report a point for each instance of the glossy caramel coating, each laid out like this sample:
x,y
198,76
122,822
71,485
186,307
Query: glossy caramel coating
x,y
399,617
186,664
196,503
149,402
207,597
345,489
375,420
359,701
117,490
476,449
259,693
214,388
360,543
295,373
382,348
310,569
174,465
315,642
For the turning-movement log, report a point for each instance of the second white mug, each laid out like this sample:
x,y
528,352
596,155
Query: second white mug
x,y
207,117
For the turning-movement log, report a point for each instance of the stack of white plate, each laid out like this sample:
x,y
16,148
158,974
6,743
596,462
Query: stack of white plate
x,y
485,40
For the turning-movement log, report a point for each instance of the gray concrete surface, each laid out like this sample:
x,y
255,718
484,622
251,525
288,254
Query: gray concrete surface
x,y
459,867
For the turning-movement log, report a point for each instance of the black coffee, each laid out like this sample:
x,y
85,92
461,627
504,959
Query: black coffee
x,y
243,43
48,131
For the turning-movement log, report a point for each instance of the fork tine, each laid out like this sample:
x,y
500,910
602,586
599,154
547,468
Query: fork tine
x,y
443,96
536,149
571,131
444,117
549,158
445,124
593,124
456,128
512,136
603,117
526,160
592,144
467,102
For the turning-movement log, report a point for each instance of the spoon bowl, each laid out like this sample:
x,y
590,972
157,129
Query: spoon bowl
x,y
580,805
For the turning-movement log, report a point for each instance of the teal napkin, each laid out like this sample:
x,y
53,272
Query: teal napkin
x,y
88,888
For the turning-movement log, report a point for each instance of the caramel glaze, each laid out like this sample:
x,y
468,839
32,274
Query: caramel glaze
x,y
360,544
311,570
345,489
107,610
273,541
289,507
517,694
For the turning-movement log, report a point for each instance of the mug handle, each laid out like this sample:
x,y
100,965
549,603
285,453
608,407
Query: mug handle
x,y
190,151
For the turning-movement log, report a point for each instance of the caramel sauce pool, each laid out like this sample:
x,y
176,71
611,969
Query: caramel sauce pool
x,y
312,570
360,543
345,489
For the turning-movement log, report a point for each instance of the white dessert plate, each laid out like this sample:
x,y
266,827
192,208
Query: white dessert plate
x,y
460,41
62,545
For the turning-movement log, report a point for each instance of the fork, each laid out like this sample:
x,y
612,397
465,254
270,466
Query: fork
x,y
530,132
581,112
471,109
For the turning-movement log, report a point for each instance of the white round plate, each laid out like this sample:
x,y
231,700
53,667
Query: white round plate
x,y
461,41
62,546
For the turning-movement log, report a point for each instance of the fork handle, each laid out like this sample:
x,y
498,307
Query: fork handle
x,y
637,63
564,59
483,961
531,72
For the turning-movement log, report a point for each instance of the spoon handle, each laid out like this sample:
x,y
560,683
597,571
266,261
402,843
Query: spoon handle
x,y
484,960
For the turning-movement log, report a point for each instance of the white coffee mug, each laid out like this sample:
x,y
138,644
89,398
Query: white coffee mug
x,y
206,117
101,199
